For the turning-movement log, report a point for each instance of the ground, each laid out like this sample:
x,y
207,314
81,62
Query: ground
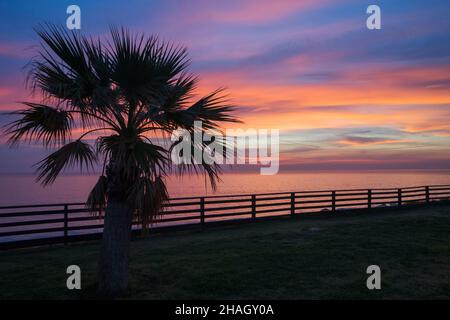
x,y
315,258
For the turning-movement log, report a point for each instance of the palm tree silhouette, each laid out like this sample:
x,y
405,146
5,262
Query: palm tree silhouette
x,y
129,92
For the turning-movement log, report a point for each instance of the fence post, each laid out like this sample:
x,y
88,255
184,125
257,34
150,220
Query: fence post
x,y
399,197
66,223
202,210
427,194
369,199
333,201
292,203
253,206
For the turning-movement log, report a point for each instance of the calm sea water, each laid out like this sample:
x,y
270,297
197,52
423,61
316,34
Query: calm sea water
x,y
22,189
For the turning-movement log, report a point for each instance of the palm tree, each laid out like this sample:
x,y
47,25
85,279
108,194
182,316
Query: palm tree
x,y
116,102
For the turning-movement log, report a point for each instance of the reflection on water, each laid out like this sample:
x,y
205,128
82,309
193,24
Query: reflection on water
x,y
21,189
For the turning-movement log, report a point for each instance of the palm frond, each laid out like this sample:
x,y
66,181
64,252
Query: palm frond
x,y
71,154
208,167
135,157
67,46
40,122
143,66
147,197
212,110
96,200
74,71
62,69
172,100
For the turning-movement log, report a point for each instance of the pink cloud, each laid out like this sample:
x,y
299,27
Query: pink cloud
x,y
5,91
250,11
17,49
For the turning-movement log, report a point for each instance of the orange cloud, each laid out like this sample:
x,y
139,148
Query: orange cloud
x,y
372,93
360,141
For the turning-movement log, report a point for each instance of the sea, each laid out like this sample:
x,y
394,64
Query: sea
x,y
22,189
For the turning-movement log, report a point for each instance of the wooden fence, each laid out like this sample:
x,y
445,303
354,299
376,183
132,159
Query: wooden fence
x,y
29,225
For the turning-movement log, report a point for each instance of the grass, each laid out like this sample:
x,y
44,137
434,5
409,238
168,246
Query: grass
x,y
287,259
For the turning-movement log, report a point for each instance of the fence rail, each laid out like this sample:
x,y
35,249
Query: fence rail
x,y
26,225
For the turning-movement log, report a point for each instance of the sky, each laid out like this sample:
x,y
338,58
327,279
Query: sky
x,y
342,96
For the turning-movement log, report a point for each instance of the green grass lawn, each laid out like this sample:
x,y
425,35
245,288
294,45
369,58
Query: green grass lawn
x,y
287,259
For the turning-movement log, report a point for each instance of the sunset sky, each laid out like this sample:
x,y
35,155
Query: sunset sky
x,y
343,96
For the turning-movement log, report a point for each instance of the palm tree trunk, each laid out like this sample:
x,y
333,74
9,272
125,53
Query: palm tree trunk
x,y
114,255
